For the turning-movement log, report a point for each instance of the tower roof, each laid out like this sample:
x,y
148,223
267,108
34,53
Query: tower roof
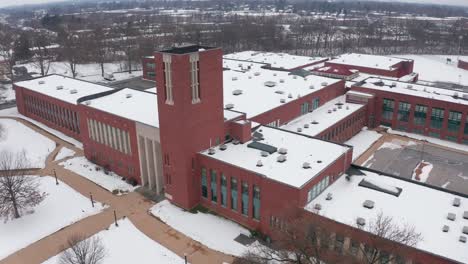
x,y
186,49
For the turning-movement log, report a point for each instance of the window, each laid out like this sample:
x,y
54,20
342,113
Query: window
x,y
204,183
354,248
234,194
339,242
318,188
315,103
214,194
195,77
304,108
387,109
256,202
420,115
452,138
434,134
223,190
167,78
454,121
437,118
245,198
403,111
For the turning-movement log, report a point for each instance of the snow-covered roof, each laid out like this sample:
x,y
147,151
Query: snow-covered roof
x,y
151,90
276,60
300,149
323,117
418,90
369,61
130,104
229,115
262,90
63,88
422,207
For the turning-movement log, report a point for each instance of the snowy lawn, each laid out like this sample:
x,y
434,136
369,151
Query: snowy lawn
x,y
87,169
116,242
363,141
62,207
17,137
13,112
212,231
64,153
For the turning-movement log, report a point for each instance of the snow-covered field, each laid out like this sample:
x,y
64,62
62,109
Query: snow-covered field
x,y
13,112
83,167
116,242
64,153
212,231
17,137
435,68
362,141
62,207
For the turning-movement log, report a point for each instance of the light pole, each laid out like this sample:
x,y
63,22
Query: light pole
x,y
460,38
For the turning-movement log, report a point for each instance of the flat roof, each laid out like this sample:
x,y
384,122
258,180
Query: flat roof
x,y
323,117
229,115
423,207
412,89
276,60
369,61
262,90
186,49
63,88
300,149
131,104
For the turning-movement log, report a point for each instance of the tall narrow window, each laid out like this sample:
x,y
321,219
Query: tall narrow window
x,y
387,109
234,194
245,198
168,78
403,111
214,193
437,118
194,77
204,183
256,202
454,121
223,190
420,114
466,126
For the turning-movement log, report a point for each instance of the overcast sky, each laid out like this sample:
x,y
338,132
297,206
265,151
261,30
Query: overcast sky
x,y
4,3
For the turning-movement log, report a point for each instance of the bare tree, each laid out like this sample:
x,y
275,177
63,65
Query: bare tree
x,y
41,53
377,250
71,50
18,192
7,42
83,251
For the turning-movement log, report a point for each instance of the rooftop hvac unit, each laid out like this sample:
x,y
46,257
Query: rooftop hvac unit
x,y
311,86
451,216
274,74
409,86
465,215
329,111
279,92
306,165
465,230
237,92
41,82
324,84
393,84
60,87
334,109
455,94
347,107
211,151
283,151
229,106
282,100
319,161
329,197
306,125
294,76
235,142
223,147
462,239
234,78
318,207
465,96
445,228
339,107
314,122
456,202
270,84
73,91
259,163
361,221
257,74
128,96
299,129
281,158
368,204
289,95
281,80
264,154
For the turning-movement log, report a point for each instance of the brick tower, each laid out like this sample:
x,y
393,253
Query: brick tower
x,y
189,83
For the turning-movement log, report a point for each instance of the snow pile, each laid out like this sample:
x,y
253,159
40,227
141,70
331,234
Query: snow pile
x,y
116,242
382,185
213,231
363,141
64,153
62,207
422,171
17,137
96,174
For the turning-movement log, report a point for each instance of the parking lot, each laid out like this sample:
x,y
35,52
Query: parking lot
x,y
400,156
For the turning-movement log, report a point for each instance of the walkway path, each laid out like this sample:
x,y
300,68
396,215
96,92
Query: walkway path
x,y
132,205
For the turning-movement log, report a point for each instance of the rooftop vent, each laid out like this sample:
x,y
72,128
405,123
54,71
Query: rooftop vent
x,y
279,92
409,86
41,82
282,100
264,154
462,239
294,76
311,86
237,92
465,215
211,151
465,96
455,94
223,147
318,206
274,74
324,84
445,228
299,129
234,78
456,202
465,230
250,77
128,96
60,87
451,216
257,73
259,163
306,165
281,158
393,84
289,95
283,151
314,122
347,107
270,84
360,221
229,106
281,80
329,111
329,196
368,204
334,109
319,161
306,125
73,91
235,142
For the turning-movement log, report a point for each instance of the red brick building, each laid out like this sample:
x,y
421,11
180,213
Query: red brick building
x,y
463,64
149,68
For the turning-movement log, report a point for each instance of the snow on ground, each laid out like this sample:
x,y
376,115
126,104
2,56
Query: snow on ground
x,y
116,242
17,137
363,141
435,68
110,182
13,112
64,153
213,231
422,171
432,140
62,207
